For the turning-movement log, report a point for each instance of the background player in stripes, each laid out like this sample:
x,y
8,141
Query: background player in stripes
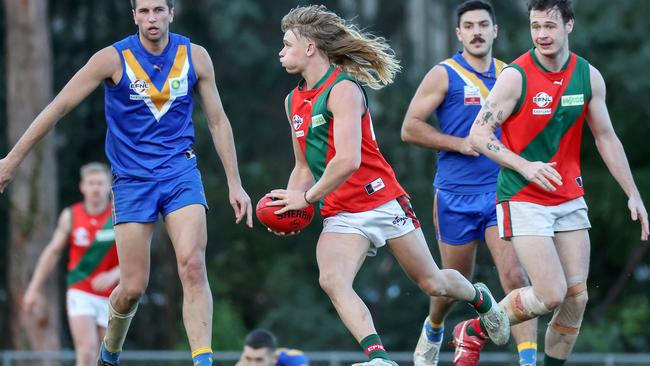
x,y
149,79
541,103
339,165
86,229
465,184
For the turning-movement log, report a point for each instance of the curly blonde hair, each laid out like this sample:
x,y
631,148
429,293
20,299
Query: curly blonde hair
x,y
366,57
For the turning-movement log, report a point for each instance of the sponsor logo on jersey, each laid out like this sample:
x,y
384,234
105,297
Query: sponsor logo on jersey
x,y
81,237
178,86
572,100
139,86
472,95
105,235
300,133
374,186
296,120
542,100
317,120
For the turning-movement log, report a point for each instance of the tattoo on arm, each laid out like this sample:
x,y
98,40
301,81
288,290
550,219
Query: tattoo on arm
x,y
494,144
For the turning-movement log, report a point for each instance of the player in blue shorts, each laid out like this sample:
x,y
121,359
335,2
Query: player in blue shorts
x,y
149,79
465,184
261,349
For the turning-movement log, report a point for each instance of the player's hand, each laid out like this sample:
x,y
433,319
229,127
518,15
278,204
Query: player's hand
x,y
6,174
32,296
466,148
638,212
542,174
241,203
279,233
105,280
290,199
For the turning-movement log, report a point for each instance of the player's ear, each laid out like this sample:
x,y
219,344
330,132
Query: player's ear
x,y
496,31
569,25
458,34
171,15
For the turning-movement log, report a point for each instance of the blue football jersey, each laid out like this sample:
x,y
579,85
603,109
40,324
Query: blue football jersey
x,y
467,92
149,111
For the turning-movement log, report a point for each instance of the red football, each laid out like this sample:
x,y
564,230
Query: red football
x,y
294,220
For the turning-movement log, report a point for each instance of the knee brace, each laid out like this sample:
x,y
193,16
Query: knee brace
x,y
522,304
568,316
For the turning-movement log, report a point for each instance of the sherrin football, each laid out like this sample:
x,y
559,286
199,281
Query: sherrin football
x,y
290,221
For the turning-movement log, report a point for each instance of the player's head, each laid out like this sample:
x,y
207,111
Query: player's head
x,y
259,349
313,31
95,184
476,27
153,17
551,21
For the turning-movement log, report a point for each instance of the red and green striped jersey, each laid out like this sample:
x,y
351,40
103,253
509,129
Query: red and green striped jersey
x,y
92,248
546,125
374,183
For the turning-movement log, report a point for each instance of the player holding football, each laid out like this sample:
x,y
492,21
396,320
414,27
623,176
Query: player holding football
x,y
541,103
338,164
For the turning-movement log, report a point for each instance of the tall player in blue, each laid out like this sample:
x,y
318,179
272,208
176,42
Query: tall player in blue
x,y
465,184
148,80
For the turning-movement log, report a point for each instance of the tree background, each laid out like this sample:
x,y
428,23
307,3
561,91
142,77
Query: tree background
x,y
259,280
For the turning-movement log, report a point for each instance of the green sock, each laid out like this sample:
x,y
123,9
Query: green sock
x,y
481,301
550,361
373,348
472,332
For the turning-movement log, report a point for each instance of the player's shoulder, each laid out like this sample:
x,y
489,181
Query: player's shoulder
x,y
291,357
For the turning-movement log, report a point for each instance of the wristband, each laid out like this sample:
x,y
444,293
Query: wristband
x,y
304,195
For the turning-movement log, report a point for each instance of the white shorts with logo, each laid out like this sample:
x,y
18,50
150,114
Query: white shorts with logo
x,y
525,218
388,221
82,303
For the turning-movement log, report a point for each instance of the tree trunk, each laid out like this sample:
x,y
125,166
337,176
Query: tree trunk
x,y
33,192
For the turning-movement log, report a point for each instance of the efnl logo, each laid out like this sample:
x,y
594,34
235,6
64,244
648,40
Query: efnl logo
x,y
542,100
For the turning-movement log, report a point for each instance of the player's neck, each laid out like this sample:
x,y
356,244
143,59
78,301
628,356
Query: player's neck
x,y
480,64
154,47
556,62
315,73
95,208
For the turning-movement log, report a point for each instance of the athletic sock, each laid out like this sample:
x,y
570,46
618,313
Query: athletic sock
x,y
118,326
481,301
202,357
527,353
434,331
475,328
550,361
373,348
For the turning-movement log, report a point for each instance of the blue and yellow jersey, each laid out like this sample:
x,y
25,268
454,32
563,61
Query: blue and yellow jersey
x,y
149,112
467,92
291,357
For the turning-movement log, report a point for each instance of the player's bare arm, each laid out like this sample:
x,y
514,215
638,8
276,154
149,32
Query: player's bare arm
x,y
346,102
498,107
48,259
105,64
221,132
611,150
417,130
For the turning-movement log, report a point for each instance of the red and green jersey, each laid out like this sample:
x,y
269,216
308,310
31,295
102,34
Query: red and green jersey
x,y
374,183
92,248
547,126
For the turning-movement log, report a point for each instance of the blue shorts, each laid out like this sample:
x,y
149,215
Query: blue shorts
x,y
139,200
460,219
